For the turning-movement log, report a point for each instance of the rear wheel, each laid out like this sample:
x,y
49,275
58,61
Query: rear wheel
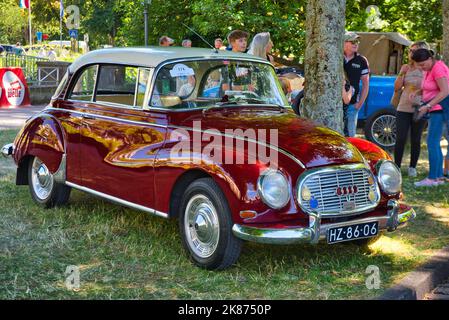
x,y
43,187
205,224
380,128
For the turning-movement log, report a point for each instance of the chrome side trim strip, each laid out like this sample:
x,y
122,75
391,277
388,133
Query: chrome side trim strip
x,y
107,117
117,200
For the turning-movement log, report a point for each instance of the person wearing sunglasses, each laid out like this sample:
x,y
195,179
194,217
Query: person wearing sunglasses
x,y
357,68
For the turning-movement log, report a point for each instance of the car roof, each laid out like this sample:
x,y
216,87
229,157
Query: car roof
x,y
152,56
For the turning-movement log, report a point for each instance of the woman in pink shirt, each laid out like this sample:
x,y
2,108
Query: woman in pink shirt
x,y
435,89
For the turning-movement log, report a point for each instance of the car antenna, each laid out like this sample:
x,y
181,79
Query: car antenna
x,y
204,40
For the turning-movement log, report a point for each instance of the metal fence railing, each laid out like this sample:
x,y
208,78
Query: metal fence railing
x,y
27,63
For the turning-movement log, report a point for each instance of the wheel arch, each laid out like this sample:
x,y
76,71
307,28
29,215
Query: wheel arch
x,y
180,186
41,137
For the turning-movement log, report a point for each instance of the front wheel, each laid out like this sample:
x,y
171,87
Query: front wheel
x,y
43,187
205,224
380,128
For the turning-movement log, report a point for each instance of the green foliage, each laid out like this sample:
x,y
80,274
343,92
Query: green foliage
x,y
121,22
12,20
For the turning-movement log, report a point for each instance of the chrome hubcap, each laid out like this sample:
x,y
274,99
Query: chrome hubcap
x,y
41,179
383,130
201,226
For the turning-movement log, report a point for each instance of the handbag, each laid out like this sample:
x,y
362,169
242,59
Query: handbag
x,y
417,116
396,98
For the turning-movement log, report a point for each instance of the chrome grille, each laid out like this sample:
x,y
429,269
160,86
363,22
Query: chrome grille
x,y
339,191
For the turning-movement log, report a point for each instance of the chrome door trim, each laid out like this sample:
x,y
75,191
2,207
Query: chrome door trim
x,y
118,200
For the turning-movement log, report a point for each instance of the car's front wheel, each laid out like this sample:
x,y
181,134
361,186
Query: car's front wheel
x,y
380,128
205,225
43,187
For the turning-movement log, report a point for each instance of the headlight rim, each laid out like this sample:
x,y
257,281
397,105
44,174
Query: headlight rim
x,y
378,167
260,192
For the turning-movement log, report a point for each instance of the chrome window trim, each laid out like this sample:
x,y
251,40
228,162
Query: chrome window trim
x,y
303,177
163,64
75,79
108,118
118,200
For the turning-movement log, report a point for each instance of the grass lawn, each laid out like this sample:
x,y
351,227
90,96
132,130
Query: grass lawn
x,y
126,254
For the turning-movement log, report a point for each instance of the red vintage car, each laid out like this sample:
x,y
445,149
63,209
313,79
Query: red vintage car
x,y
206,137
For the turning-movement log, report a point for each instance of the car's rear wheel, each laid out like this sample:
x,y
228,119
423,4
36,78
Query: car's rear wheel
x,y
380,128
205,225
43,187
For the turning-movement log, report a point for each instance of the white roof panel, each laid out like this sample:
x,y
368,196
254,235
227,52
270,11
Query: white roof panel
x,y
151,56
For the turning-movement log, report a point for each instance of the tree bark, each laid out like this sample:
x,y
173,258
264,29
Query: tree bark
x,y
446,31
325,23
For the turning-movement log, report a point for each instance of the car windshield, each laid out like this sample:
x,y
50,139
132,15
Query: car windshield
x,y
211,83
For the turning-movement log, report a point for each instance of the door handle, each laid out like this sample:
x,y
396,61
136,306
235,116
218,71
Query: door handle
x,y
88,117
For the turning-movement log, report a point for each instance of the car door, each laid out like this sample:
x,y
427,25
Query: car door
x,y
119,138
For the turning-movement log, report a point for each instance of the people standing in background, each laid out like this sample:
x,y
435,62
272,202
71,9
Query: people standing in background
x,y
357,68
218,44
261,46
186,43
238,40
435,88
165,41
409,81
446,159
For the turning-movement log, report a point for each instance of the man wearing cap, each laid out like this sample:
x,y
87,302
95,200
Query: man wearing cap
x,y
165,41
356,67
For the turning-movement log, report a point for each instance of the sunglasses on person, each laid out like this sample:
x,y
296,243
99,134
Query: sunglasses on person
x,y
354,41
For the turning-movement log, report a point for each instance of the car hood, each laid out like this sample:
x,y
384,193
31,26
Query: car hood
x,y
310,143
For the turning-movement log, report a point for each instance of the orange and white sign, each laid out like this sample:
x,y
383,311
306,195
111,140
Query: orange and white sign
x,y
14,91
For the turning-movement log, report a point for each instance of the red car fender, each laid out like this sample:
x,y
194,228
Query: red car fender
x,y
370,151
237,182
41,137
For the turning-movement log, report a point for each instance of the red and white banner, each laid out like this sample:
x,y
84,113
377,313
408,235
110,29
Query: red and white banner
x,y
14,91
24,4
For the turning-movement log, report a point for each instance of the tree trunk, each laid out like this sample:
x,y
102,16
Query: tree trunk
x,y
325,23
446,31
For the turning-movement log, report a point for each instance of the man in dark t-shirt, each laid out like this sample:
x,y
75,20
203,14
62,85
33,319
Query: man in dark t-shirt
x,y
356,67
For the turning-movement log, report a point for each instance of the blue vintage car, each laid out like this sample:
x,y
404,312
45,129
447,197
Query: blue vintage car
x,y
378,114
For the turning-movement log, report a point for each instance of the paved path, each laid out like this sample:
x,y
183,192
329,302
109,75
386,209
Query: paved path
x,y
14,118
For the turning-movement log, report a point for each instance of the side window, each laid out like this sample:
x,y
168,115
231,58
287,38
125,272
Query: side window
x,y
61,86
175,83
117,84
144,75
212,84
85,85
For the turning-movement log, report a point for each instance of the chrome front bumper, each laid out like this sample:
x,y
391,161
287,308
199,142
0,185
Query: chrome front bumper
x,y
316,231
8,150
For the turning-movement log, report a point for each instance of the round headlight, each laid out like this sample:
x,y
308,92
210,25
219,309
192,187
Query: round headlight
x,y
390,178
273,189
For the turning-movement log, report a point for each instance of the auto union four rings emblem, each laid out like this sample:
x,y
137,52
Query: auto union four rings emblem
x,y
345,193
